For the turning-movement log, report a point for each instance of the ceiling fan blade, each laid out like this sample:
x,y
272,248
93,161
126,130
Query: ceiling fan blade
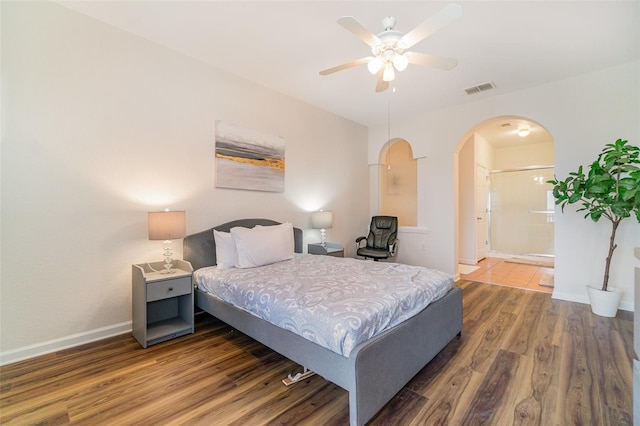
x,y
345,66
431,25
381,85
432,61
350,23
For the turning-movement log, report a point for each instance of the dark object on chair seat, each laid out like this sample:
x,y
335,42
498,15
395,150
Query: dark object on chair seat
x,y
382,239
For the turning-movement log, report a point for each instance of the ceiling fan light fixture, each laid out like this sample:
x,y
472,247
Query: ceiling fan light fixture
x,y
400,62
389,74
389,48
374,65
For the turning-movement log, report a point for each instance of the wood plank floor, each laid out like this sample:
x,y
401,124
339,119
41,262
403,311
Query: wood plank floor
x,y
523,359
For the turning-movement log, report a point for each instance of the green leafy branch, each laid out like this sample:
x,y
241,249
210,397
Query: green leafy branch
x,y
610,189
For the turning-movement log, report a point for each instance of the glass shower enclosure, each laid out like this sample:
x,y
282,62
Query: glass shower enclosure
x,y
521,211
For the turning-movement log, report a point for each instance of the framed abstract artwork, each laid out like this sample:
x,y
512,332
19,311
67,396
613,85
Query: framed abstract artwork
x,y
248,159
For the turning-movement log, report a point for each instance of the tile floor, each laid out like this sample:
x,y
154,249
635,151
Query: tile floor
x,y
496,271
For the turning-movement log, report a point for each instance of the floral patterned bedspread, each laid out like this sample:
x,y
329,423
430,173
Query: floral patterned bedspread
x,y
334,302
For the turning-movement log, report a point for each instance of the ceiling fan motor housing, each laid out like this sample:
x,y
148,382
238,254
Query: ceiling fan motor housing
x,y
388,54
388,23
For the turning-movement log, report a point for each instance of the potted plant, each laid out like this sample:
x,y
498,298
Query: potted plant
x,y
610,190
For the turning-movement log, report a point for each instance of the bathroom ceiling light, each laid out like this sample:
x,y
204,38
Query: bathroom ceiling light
x,y
524,132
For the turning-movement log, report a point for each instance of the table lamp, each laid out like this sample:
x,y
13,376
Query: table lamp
x,y
321,220
167,226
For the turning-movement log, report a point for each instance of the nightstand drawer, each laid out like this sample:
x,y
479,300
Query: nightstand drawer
x,y
170,288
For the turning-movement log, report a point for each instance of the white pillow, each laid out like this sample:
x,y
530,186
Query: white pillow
x,y
263,245
226,254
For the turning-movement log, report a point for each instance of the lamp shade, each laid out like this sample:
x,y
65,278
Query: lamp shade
x,y
321,220
400,62
167,225
389,74
374,65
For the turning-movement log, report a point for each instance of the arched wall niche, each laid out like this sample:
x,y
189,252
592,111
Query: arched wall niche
x,y
398,183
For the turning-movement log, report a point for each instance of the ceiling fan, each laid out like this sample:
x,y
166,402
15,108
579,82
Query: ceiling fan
x,y
389,47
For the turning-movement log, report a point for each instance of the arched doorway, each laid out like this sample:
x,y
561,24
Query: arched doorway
x,y
505,207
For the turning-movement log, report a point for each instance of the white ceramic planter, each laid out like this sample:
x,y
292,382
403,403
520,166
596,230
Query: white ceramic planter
x,y
604,303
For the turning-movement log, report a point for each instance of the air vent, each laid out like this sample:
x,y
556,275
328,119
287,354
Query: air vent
x,y
480,88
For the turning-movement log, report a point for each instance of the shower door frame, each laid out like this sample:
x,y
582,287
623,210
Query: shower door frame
x,y
490,210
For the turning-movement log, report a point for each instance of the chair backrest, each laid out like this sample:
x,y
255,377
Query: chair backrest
x,y
383,229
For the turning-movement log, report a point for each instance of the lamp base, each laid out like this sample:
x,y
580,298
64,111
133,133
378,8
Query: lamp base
x,y
323,240
168,261
167,270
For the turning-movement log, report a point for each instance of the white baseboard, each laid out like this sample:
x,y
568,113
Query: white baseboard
x,y
38,349
625,306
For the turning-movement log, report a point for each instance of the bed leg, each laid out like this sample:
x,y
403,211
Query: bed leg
x,y
297,377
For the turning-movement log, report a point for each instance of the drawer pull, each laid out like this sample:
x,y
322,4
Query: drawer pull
x,y
170,288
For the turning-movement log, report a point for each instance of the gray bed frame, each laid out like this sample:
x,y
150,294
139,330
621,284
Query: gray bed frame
x,y
375,370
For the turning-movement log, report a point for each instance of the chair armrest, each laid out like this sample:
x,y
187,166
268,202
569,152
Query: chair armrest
x,y
393,247
358,245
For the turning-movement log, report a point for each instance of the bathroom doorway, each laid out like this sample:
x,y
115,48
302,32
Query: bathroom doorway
x,y
518,155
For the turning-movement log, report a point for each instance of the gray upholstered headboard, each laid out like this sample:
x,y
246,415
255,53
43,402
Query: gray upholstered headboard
x,y
200,249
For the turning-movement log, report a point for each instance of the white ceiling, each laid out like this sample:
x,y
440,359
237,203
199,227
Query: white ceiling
x,y
503,132
283,45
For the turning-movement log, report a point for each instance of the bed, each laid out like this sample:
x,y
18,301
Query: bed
x,y
374,370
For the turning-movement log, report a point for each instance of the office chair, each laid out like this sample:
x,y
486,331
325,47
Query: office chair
x,y
382,242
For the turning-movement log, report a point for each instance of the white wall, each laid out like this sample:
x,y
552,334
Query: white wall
x,y
484,152
467,203
515,157
99,127
582,114
412,247
477,151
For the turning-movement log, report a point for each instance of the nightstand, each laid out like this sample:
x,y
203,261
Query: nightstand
x,y
162,304
329,249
